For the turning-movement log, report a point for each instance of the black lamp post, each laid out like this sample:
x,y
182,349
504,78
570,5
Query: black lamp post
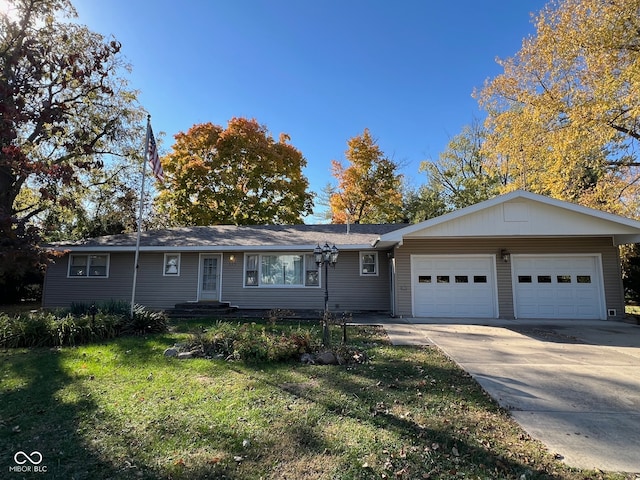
x,y
327,256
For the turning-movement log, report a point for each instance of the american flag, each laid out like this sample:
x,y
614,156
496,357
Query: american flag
x,y
152,154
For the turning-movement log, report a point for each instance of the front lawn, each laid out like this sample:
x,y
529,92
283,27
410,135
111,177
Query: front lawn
x,y
122,410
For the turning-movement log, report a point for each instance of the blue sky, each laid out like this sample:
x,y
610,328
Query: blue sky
x,y
321,71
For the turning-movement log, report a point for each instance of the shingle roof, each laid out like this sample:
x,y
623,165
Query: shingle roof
x,y
227,236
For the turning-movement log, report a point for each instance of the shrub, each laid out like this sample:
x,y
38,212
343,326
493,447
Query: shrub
x,y
111,307
144,321
247,343
33,330
45,329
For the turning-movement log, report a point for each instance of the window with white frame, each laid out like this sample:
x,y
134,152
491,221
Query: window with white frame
x,y
171,265
89,265
368,263
280,270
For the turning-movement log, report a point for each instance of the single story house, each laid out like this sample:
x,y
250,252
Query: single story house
x,y
519,255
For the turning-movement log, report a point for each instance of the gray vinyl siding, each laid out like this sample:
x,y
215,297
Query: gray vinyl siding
x,y
614,294
152,288
348,291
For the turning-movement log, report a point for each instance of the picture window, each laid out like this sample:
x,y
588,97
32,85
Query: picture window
x,y
281,270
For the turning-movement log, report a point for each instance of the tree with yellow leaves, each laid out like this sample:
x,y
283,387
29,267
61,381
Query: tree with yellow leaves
x,y
369,189
237,176
564,116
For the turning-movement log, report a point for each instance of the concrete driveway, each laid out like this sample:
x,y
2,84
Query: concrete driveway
x,y
574,385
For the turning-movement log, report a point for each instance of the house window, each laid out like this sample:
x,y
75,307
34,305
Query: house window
x,y
280,270
251,271
171,265
369,263
312,275
89,265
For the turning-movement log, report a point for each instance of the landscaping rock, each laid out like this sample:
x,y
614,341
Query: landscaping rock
x,y
171,352
308,359
185,355
326,358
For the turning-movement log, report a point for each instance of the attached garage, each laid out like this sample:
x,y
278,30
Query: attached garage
x,y
454,286
519,255
558,286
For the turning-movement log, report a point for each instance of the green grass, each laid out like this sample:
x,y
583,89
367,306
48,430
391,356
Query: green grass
x,y
122,410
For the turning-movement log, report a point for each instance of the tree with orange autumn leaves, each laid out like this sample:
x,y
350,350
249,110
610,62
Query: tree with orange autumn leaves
x,y
237,176
369,189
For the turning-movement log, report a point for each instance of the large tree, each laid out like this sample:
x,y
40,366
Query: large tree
x,y
370,188
106,203
459,176
238,176
64,106
564,115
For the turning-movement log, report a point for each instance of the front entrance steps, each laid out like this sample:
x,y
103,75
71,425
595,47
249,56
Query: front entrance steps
x,y
200,310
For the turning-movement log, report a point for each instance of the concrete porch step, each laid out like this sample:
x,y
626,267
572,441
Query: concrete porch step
x,y
200,310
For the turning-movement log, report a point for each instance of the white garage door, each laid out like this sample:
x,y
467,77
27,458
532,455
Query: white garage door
x,y
558,287
453,286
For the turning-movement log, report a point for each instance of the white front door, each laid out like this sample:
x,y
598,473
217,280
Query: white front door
x,y
208,288
453,286
558,286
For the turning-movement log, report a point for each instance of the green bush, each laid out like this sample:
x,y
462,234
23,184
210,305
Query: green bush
x,y
144,321
27,330
46,329
248,343
111,307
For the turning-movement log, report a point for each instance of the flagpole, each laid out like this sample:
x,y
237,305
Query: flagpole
x,y
140,208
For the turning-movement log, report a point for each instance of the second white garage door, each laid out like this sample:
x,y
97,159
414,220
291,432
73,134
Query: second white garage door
x,y
558,286
453,286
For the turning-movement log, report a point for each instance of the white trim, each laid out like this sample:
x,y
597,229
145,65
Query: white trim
x,y
398,235
493,280
203,248
164,264
376,262
219,272
88,255
599,272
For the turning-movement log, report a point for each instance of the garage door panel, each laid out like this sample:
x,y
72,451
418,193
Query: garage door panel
x,y
453,286
557,287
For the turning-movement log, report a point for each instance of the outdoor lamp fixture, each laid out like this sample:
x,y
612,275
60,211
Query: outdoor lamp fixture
x,y
328,256
505,255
